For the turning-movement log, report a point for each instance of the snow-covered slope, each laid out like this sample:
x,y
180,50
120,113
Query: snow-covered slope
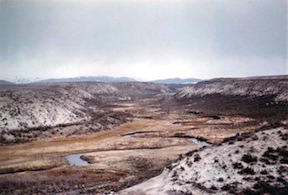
x,y
52,104
27,106
253,87
247,164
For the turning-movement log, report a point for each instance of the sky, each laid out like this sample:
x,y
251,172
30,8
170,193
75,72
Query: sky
x,y
142,39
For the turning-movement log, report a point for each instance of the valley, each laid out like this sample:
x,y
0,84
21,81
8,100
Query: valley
x,y
128,132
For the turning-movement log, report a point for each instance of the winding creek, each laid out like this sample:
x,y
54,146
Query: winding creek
x,y
76,160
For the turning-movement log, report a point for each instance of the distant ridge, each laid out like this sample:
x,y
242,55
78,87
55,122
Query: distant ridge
x,y
177,81
261,86
3,82
278,77
105,79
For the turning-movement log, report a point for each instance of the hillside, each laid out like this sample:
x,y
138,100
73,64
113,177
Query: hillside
x,y
28,111
276,87
142,89
265,98
254,163
3,82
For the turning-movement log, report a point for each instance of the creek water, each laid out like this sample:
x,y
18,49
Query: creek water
x,y
75,160
198,142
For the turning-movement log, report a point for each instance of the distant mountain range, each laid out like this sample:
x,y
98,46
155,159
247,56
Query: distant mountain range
x,y
108,79
26,80
177,81
105,79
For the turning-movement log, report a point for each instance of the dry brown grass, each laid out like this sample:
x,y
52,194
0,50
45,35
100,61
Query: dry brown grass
x,y
19,165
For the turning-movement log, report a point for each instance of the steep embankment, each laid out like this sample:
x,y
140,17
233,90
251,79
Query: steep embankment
x,y
257,97
247,164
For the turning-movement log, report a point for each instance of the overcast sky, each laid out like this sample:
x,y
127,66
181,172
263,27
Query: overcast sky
x,y
147,39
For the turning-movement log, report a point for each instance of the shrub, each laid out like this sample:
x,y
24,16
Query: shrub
x,y
264,172
284,161
189,164
197,157
220,179
230,187
284,136
247,171
237,165
270,155
213,187
248,158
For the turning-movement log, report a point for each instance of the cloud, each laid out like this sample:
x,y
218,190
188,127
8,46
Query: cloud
x,y
147,39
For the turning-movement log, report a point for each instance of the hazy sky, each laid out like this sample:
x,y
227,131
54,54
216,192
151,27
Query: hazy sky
x,y
146,39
